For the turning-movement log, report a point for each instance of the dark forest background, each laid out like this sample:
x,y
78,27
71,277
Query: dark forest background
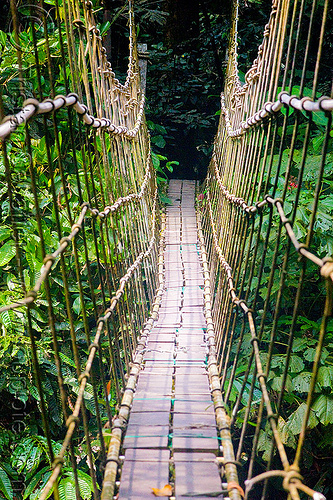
x,y
187,43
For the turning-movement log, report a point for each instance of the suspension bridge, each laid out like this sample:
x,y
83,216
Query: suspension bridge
x,y
170,351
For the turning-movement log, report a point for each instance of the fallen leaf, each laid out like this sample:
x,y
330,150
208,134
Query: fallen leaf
x,y
166,491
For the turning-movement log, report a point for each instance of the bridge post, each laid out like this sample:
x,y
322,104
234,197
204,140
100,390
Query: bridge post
x,y
143,56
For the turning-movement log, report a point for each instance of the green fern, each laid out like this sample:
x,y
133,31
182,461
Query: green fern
x,y
67,486
85,485
67,489
44,479
35,480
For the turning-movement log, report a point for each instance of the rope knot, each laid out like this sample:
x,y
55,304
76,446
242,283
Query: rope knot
x,y
78,23
65,239
32,102
84,375
291,476
57,461
327,269
94,345
72,419
33,294
48,258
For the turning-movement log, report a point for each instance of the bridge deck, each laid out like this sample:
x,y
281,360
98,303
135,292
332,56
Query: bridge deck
x,y
171,436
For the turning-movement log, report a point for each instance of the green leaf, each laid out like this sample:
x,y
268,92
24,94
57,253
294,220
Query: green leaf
x,y
3,38
104,27
21,454
323,408
5,232
6,320
277,383
5,485
301,383
34,482
286,435
66,360
295,420
88,392
169,165
155,159
36,494
77,305
319,119
296,364
67,489
67,485
7,252
34,459
325,376
159,141
309,354
264,444
85,485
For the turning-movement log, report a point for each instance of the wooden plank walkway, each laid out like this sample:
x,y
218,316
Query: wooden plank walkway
x,y
171,436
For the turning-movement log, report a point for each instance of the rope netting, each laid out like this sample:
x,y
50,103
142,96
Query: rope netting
x,y
79,229
264,203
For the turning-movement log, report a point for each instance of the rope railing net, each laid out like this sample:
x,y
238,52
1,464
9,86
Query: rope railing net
x,y
79,232
264,203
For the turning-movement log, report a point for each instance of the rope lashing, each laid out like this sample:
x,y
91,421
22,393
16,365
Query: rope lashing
x,y
32,107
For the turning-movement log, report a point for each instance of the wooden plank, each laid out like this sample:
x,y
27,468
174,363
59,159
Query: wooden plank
x,y
162,355
152,404
184,341
163,371
172,295
193,309
191,384
193,457
203,406
166,317
191,370
147,455
195,439
159,363
193,291
162,337
180,363
142,436
190,420
155,418
184,331
152,385
138,477
155,345
197,477
187,354
189,320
